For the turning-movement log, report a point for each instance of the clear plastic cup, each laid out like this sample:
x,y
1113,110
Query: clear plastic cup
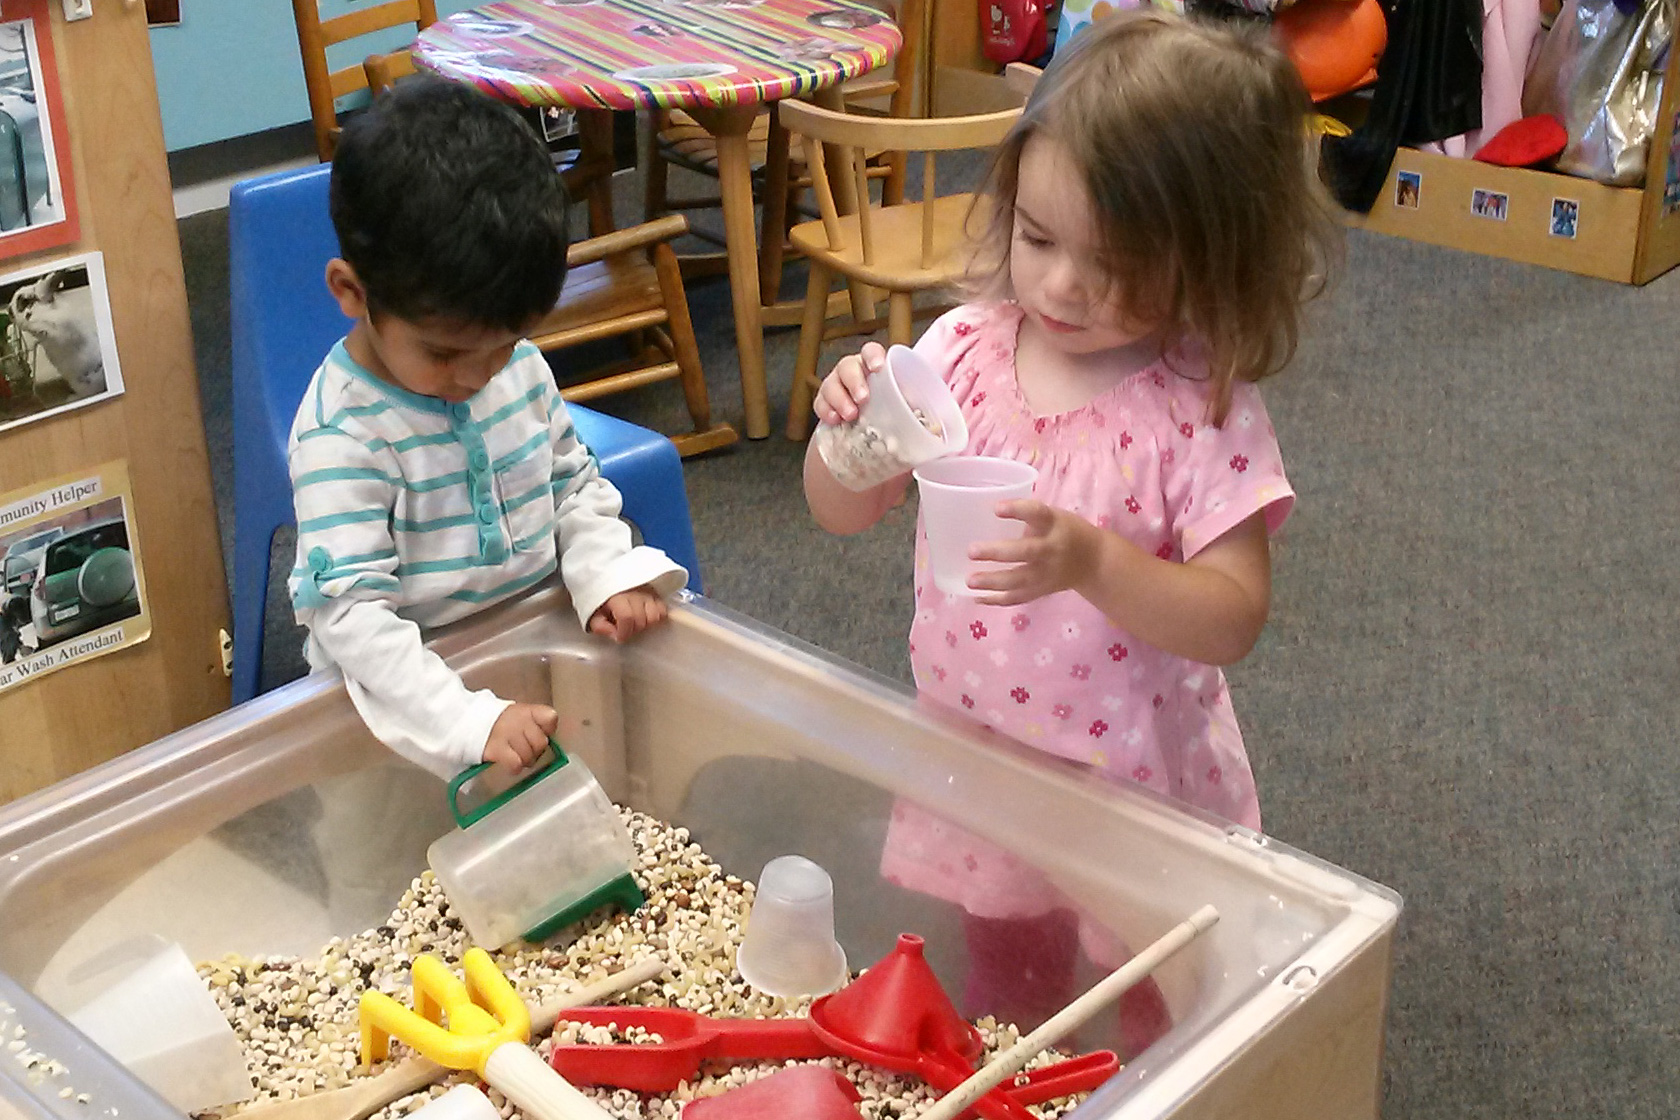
x,y
149,1009
789,947
959,500
909,418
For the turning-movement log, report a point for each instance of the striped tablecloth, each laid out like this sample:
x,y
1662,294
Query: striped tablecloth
x,y
644,54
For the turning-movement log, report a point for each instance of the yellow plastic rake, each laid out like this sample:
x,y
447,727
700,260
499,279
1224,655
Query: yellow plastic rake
x,y
481,1025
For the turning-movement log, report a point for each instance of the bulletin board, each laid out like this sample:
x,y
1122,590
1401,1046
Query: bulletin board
x,y
103,466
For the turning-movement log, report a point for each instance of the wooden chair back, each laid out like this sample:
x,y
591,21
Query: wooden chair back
x,y
851,137
316,35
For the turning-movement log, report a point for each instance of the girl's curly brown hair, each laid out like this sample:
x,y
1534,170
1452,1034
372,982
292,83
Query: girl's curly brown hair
x,y
1192,142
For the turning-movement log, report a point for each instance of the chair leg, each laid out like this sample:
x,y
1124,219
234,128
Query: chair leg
x,y
900,311
775,206
810,348
654,168
682,336
596,136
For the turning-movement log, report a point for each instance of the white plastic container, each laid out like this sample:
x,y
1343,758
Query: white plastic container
x,y
958,500
535,858
789,948
909,418
148,1008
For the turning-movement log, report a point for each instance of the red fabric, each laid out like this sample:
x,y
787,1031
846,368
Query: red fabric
x,y
1526,142
1013,30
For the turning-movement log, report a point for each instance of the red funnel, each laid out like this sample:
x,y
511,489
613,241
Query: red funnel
x,y
896,1013
799,1093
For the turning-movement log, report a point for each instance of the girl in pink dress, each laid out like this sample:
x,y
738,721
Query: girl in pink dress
x,y
1155,226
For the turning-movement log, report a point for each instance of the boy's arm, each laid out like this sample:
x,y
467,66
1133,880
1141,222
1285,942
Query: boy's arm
x,y
598,559
345,590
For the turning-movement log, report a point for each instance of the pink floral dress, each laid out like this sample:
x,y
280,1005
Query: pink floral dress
x,y
1142,460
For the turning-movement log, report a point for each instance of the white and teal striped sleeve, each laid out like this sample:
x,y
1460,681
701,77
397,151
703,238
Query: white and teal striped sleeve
x,y
597,556
345,590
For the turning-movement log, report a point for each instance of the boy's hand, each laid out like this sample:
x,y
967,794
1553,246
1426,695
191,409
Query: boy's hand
x,y
627,614
519,735
846,387
1059,551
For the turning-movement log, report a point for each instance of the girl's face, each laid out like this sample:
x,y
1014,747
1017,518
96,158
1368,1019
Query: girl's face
x,y
1053,265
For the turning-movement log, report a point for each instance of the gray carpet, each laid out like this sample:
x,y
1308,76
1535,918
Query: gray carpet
x,y
1468,687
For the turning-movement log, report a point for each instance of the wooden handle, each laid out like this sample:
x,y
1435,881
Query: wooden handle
x,y
535,1089
1069,1018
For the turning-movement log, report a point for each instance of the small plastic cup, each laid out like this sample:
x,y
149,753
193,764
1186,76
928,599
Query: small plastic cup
x,y
959,499
789,948
909,418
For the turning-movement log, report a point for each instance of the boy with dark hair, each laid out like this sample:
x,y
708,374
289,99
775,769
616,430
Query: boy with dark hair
x,y
434,468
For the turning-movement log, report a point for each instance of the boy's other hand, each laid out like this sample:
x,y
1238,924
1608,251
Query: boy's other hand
x,y
627,614
846,387
519,735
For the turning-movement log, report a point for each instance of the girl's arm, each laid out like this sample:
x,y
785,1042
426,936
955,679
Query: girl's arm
x,y
1210,608
836,508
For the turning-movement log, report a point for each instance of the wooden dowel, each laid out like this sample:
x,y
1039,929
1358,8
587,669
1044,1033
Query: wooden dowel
x,y
1069,1018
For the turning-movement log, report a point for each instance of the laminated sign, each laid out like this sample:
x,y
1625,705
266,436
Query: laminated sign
x,y
73,588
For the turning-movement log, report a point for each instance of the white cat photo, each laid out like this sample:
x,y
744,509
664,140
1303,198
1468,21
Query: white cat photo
x,y
60,338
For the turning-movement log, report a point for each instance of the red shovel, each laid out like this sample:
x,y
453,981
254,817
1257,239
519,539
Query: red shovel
x,y
689,1039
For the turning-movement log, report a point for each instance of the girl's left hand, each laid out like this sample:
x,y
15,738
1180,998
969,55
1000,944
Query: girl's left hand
x,y
627,614
1058,553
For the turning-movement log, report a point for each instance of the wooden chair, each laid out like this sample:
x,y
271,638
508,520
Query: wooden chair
x,y
315,35
901,248
619,283
587,178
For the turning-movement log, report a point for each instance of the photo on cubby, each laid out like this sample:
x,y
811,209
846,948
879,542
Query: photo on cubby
x,y
1566,216
1408,189
72,587
37,198
57,350
1489,204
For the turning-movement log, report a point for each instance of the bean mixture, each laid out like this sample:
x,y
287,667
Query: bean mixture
x,y
298,1018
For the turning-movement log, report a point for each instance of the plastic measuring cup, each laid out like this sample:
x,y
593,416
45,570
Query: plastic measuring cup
x,y
959,500
153,1013
789,948
536,858
909,418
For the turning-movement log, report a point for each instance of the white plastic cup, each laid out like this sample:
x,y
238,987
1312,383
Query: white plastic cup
x,y
959,500
909,418
789,947
464,1102
153,1013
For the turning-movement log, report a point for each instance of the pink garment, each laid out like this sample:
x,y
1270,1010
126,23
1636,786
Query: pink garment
x,y
1509,31
1141,460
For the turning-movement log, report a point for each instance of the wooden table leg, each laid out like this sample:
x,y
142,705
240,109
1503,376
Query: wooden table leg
x,y
595,145
729,127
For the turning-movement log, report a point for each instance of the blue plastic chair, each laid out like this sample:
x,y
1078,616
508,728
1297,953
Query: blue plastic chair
x,y
280,239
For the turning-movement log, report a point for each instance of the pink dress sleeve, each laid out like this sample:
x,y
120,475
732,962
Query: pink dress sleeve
x,y
1217,478
948,340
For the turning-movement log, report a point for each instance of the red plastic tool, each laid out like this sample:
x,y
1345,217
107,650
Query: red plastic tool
x,y
799,1093
689,1040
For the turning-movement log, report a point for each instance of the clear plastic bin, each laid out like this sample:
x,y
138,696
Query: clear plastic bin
x,y
279,824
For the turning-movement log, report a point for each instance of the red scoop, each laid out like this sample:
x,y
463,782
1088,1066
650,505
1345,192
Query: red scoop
x,y
689,1040
800,1093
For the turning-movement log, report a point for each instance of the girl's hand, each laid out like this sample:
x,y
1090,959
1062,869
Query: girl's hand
x,y
627,614
519,735
846,387
1059,552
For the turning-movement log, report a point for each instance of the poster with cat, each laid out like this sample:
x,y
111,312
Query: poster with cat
x,y
73,587
57,349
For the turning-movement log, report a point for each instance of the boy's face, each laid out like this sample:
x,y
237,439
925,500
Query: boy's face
x,y
438,358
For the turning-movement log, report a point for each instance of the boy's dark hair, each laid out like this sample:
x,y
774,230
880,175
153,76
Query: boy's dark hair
x,y
447,206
